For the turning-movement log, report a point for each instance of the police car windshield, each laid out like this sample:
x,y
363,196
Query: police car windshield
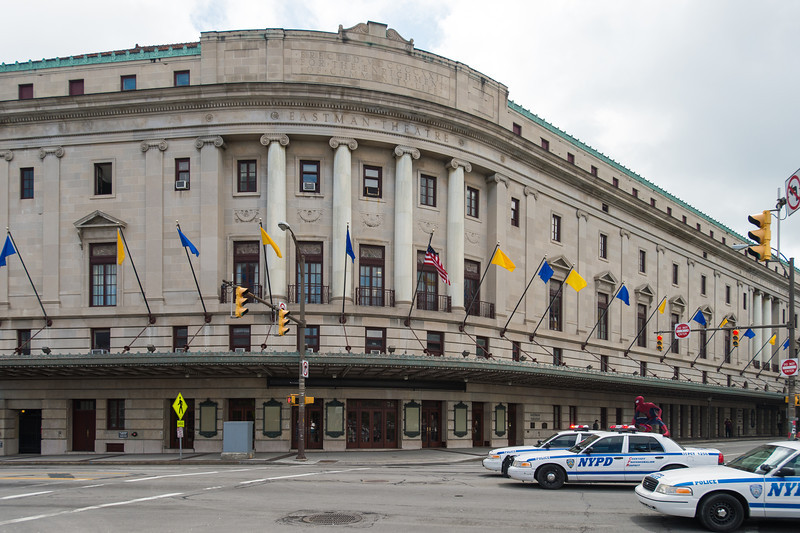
x,y
766,454
585,443
548,439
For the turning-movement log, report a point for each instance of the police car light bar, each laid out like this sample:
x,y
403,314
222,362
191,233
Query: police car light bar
x,y
622,427
579,426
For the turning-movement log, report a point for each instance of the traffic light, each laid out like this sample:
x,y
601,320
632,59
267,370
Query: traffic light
x,y
660,343
294,399
796,399
240,301
762,236
735,337
283,321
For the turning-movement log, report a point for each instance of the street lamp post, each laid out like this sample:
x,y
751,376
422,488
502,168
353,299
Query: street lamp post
x,y
301,337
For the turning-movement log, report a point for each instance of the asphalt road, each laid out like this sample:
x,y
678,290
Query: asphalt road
x,y
313,497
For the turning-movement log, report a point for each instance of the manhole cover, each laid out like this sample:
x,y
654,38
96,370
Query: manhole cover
x,y
351,519
332,519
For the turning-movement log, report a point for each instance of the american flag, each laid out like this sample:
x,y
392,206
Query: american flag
x,y
432,258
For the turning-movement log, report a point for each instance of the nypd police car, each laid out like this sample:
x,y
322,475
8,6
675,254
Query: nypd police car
x,y
499,459
762,483
621,455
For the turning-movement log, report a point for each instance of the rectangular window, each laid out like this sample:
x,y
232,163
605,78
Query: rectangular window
x,y
604,363
26,183
115,413
558,357
674,321
427,286
75,87
573,414
570,158
375,340
103,274
435,343
127,83
373,181
556,417
25,91
593,171
182,174
602,316
315,291
683,218
103,179
698,226
728,295
603,246
615,182
676,373
371,263
239,338
555,229
472,202
181,78
309,176
703,281
643,368
246,176
546,144
101,339
180,338
312,339
555,305
482,347
728,346
516,351
635,192
642,261
427,190
674,273
652,202
472,294
641,323
604,207
703,353
515,212
23,342
669,211
245,265
744,298
516,129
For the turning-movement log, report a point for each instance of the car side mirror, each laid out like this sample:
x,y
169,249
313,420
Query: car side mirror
x,y
786,471
765,467
539,442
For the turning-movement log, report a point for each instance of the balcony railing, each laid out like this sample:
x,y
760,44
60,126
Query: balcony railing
x,y
374,297
434,302
484,309
224,294
315,294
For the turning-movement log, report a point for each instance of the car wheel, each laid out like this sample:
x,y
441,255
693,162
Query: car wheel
x,y
551,477
721,512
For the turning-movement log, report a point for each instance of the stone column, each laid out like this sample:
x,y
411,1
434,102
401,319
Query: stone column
x,y
51,234
581,268
455,231
154,217
533,256
5,164
498,219
276,211
342,215
404,256
213,251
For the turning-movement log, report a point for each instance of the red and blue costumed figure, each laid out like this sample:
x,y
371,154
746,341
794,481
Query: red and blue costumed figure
x,y
648,415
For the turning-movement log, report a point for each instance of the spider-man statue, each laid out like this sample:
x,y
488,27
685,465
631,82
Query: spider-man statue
x,y
648,415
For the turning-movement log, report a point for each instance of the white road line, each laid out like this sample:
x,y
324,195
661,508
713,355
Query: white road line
x,y
91,508
169,475
93,486
300,475
25,495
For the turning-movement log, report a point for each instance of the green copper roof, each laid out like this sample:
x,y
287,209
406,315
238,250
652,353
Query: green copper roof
x,y
135,54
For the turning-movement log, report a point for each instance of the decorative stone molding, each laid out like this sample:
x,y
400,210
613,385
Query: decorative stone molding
x,y
580,213
606,281
624,233
660,249
216,140
309,215
57,151
97,222
645,293
530,191
473,237
455,163
372,220
335,142
161,145
427,227
269,138
8,155
400,151
245,215
498,178
691,262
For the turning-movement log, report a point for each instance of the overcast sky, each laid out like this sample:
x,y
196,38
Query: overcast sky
x,y
700,97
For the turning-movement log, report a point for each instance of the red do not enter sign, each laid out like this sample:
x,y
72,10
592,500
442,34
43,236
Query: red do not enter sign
x,y
789,367
682,330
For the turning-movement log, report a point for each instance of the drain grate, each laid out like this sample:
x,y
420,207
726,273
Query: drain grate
x,y
332,519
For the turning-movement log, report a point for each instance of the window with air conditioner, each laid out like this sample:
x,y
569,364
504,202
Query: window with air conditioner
x,y
373,180
309,176
181,185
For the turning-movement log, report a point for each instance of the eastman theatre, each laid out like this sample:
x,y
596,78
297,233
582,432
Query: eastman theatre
x,y
373,152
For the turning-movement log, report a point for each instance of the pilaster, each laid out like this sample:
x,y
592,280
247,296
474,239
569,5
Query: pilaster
x,y
342,216
276,210
455,231
404,255
212,245
154,216
51,232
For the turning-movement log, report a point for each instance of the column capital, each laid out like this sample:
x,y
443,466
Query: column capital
x,y
400,151
661,249
161,144
624,233
530,191
57,151
216,140
335,142
455,163
580,213
498,178
8,155
269,138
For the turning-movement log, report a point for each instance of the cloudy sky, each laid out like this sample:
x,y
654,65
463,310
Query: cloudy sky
x,y
701,97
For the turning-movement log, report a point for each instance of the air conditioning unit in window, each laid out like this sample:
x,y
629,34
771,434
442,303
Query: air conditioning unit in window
x,y
97,351
371,191
182,185
240,350
309,186
375,352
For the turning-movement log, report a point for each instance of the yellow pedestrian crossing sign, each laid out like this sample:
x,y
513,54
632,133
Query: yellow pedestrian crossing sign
x,y
180,406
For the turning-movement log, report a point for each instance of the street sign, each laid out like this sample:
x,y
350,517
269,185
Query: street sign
x,y
181,423
682,331
793,192
305,369
180,432
180,406
789,367
282,305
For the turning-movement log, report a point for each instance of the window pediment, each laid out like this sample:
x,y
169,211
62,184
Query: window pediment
x,y
99,225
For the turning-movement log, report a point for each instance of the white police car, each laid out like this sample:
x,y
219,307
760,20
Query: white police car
x,y
499,459
621,455
763,483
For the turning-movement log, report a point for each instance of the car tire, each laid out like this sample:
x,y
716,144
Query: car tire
x,y
551,477
721,512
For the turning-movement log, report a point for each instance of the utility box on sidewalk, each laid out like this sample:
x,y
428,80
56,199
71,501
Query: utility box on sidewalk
x,y
237,440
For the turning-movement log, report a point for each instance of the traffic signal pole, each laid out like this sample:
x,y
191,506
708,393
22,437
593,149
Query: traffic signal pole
x,y
791,411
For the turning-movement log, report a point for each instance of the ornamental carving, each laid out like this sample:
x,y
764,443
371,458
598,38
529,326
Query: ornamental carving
x,y
455,163
400,151
215,140
269,138
245,215
8,155
473,237
427,227
309,215
530,191
57,151
335,142
498,178
161,145
372,220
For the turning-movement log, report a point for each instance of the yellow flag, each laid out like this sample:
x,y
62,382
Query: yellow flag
x,y
266,239
662,306
772,340
724,321
501,259
575,281
120,248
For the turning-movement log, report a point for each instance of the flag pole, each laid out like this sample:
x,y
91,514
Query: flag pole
x,y
641,330
47,321
560,287
760,370
741,372
535,273
206,316
150,316
407,321
266,269
605,312
478,290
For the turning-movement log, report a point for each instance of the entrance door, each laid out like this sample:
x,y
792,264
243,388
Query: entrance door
x,y
313,432
431,424
372,424
512,424
477,423
30,431
243,410
188,429
84,424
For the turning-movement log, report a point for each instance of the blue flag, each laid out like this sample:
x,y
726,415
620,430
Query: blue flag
x,y
350,251
623,295
786,344
749,333
700,318
546,272
186,242
8,249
